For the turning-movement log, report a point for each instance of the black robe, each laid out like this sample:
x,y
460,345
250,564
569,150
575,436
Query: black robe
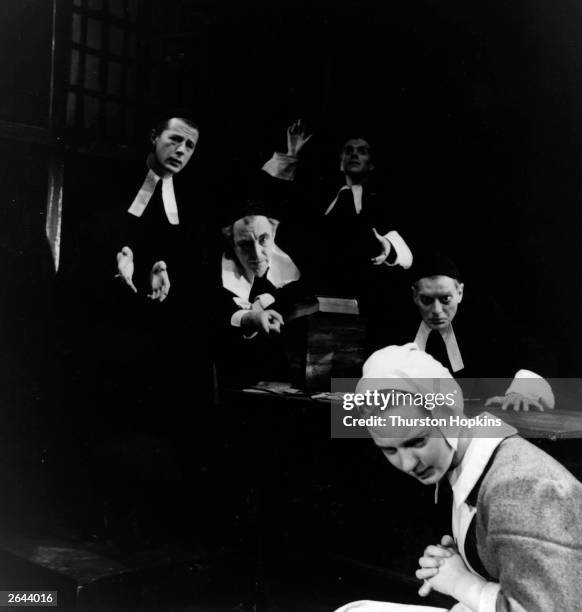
x,y
247,360
125,348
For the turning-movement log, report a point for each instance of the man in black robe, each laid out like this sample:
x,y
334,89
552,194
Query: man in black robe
x,y
355,248
132,276
480,345
259,289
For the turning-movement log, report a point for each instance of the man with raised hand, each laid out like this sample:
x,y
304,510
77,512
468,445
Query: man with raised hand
x,y
355,246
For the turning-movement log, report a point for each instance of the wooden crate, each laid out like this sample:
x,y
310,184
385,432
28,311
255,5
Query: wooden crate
x,y
326,342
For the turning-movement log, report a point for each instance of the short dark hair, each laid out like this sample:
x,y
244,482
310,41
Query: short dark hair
x,y
162,125
356,136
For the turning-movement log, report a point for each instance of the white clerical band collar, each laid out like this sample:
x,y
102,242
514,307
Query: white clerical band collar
x,y
146,191
451,344
281,271
356,190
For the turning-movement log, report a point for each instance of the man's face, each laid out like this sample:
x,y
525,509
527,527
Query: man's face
x,y
356,158
253,239
437,299
420,452
173,148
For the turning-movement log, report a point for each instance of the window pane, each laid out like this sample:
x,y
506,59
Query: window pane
x,y
71,107
91,111
115,40
114,78
74,73
113,119
131,45
94,34
130,83
92,72
132,10
129,124
76,33
116,8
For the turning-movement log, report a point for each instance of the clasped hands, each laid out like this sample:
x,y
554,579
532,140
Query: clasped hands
x,y
443,569
159,278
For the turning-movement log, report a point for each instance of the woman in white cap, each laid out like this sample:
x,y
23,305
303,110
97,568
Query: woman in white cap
x,y
516,541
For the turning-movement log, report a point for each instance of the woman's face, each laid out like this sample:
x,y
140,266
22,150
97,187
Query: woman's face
x,y
421,452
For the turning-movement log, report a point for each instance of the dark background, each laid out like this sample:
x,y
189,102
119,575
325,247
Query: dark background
x,y
473,109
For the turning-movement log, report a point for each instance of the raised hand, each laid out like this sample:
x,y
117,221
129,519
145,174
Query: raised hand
x,y
296,137
517,402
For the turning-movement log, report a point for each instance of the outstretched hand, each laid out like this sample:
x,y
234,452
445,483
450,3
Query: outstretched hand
x,y
297,137
265,321
159,282
518,402
386,248
125,267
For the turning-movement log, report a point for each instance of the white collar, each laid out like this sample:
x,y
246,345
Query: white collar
x,y
448,334
356,190
146,191
466,475
281,272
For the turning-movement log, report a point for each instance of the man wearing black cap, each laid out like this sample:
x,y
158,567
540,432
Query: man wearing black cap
x,y
259,286
473,348
437,292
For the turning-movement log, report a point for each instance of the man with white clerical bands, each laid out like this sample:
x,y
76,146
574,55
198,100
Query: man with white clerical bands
x,y
470,339
150,232
352,228
259,288
131,249
516,539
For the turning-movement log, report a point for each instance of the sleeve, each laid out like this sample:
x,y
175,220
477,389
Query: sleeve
x,y
228,321
488,599
533,536
384,606
281,166
533,386
388,220
403,252
288,192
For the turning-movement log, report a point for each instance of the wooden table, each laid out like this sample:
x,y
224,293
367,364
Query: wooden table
x,y
550,425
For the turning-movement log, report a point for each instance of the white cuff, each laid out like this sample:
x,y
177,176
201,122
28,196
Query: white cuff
x,y
236,319
281,166
488,597
534,387
265,300
403,253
